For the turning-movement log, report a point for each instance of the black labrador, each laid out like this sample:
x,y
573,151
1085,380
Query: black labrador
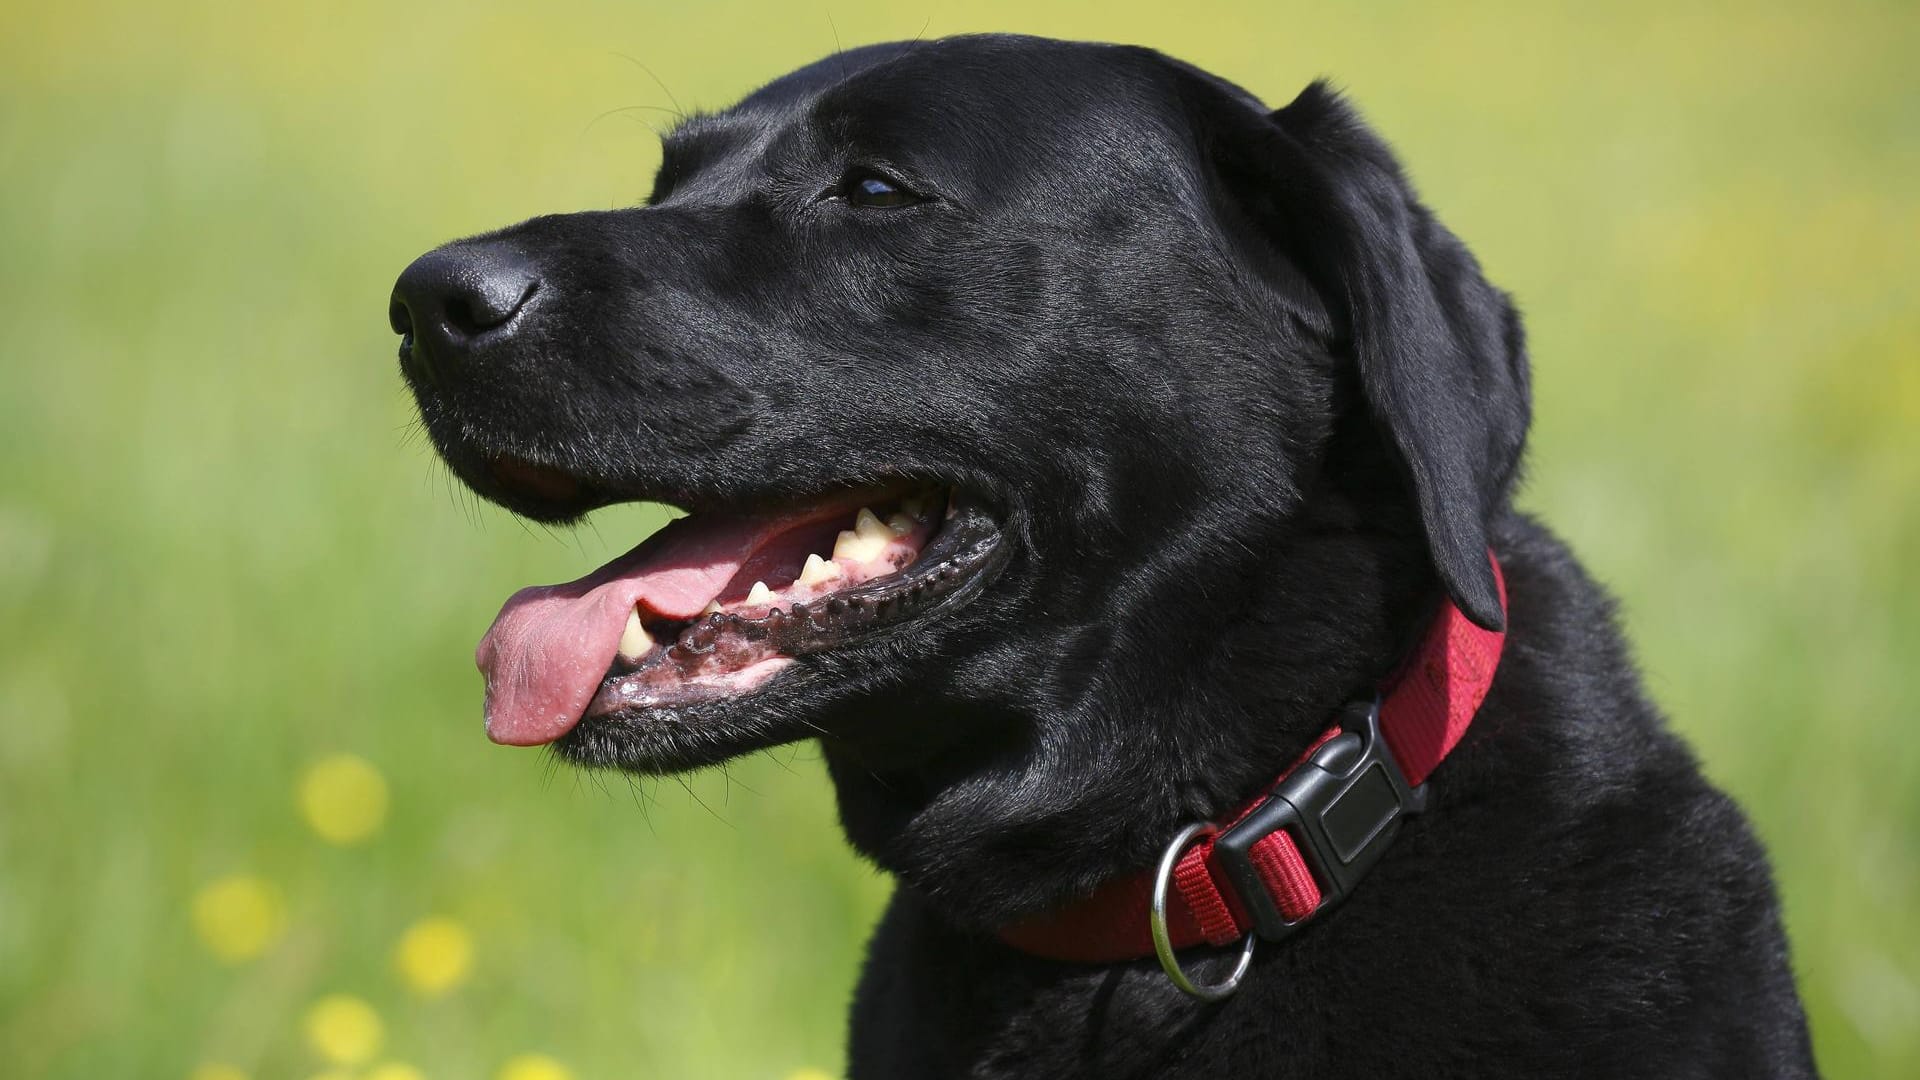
x,y
1066,441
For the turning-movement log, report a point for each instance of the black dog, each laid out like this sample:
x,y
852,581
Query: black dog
x,y
1181,422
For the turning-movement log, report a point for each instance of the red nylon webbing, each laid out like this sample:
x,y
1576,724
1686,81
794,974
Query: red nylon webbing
x,y
1433,700
1277,860
1193,880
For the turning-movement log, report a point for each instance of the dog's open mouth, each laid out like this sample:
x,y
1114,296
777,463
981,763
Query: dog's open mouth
x,y
715,604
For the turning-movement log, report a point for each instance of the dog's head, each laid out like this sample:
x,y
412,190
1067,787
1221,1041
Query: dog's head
x,y
1174,417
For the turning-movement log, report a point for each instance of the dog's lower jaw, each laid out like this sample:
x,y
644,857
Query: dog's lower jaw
x,y
759,667
674,740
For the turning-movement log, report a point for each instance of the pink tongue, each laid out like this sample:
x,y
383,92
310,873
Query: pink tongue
x,y
546,653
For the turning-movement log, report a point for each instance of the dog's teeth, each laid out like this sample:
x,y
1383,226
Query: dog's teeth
x,y
712,608
759,594
915,507
635,642
900,524
818,571
867,524
853,547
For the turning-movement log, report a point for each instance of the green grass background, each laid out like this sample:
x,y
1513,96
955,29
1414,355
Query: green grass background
x,y
223,554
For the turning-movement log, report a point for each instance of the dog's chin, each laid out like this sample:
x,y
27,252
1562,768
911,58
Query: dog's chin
x,y
679,738
807,699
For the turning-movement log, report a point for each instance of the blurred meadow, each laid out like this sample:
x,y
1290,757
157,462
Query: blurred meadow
x,y
249,827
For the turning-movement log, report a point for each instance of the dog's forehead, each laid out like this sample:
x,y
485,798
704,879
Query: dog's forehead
x,y
939,101
974,66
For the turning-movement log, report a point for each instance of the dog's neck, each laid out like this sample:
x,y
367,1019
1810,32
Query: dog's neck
x,y
1281,858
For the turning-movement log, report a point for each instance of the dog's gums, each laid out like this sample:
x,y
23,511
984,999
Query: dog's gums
x,y
714,605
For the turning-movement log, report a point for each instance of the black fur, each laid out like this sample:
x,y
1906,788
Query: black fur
x,y
1247,412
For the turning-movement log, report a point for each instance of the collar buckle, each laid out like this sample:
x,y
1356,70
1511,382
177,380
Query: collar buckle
x,y
1343,806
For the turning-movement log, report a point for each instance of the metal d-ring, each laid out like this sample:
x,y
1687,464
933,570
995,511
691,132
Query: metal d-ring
x,y
1163,944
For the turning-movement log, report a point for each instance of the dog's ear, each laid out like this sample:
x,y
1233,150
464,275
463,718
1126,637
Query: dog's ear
x,y
1440,352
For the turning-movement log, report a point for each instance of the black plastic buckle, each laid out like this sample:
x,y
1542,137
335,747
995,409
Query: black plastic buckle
x,y
1343,805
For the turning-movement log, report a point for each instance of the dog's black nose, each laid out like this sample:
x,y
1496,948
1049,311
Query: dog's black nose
x,y
455,297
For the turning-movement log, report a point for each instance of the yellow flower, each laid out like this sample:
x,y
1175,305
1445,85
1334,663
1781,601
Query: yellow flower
x,y
214,1070
343,1029
533,1067
434,955
394,1070
809,1074
237,918
344,798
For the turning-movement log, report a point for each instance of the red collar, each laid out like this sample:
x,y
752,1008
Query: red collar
x,y
1300,846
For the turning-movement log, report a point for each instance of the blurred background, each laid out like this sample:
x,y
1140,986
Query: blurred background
x,y
249,827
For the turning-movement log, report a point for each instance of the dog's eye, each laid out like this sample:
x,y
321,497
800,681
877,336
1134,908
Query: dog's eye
x,y
867,188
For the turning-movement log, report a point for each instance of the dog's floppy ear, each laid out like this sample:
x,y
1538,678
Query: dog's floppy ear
x,y
1441,356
